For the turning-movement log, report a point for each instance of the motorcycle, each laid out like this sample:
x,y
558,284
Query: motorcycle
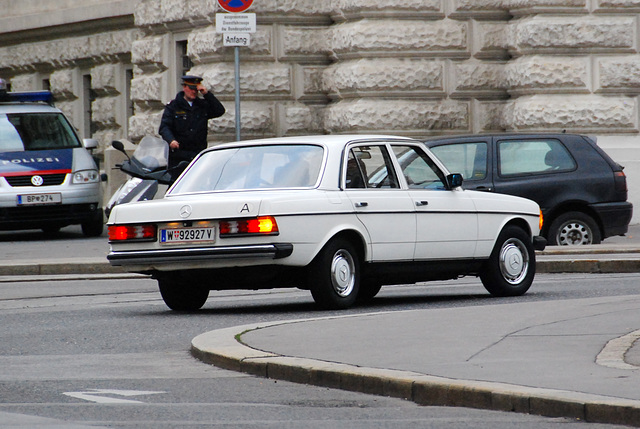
x,y
148,168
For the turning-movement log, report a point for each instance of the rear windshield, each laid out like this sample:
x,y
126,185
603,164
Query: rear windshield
x,y
253,167
36,131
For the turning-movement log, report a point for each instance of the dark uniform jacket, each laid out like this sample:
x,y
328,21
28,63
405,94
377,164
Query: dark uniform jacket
x,y
188,125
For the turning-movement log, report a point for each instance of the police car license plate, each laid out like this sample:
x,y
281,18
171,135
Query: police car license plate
x,y
34,199
187,235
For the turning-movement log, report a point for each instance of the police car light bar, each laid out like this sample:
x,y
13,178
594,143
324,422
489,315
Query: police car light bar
x,y
28,97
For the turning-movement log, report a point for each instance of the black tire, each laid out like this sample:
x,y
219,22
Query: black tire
x,y
181,296
334,275
94,227
574,229
512,264
368,290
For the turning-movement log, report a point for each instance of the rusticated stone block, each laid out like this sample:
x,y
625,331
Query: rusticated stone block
x,y
62,84
256,79
157,12
150,52
398,116
618,5
105,79
144,123
392,38
285,9
391,75
298,118
308,81
104,112
535,74
487,116
477,79
304,44
25,82
568,33
547,5
147,89
490,40
355,9
583,112
619,74
257,119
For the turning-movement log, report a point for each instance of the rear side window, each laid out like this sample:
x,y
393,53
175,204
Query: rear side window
x,y
36,131
370,167
516,157
468,159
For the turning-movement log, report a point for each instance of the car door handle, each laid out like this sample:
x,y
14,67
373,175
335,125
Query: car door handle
x,y
362,204
422,203
484,188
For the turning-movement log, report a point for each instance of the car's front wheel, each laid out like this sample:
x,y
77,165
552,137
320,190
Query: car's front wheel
x,y
334,275
512,264
182,296
574,229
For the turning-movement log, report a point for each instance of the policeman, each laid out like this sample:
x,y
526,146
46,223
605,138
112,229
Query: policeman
x,y
184,120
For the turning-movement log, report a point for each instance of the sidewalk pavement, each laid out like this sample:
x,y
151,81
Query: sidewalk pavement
x,y
571,358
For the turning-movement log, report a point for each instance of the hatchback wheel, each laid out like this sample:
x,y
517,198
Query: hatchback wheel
x,y
574,229
334,275
512,264
182,296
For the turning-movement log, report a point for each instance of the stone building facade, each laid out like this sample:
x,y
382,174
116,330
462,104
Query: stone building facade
x,y
407,67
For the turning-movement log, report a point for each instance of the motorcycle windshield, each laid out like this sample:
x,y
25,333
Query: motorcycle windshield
x,y
151,154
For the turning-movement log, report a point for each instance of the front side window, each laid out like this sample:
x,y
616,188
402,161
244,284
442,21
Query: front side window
x,y
468,159
253,167
36,131
521,157
419,169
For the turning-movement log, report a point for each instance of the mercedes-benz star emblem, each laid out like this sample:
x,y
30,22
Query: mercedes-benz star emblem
x,y
185,211
37,180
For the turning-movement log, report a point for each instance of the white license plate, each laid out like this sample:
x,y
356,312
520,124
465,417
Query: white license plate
x,y
33,199
187,235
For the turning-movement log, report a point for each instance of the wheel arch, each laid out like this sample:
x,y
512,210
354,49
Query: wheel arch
x,y
574,206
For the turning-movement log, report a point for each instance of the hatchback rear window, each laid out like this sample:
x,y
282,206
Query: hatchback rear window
x,y
36,131
533,156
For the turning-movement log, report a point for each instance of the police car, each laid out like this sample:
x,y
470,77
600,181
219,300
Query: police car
x,y
48,178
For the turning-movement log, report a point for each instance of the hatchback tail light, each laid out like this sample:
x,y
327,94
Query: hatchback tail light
x,y
620,181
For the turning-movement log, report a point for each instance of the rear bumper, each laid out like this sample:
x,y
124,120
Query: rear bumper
x,y
191,255
614,217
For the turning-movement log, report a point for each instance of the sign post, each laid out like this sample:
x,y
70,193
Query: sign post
x,y
236,27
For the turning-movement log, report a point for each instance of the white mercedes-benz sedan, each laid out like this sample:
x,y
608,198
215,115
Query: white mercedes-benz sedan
x,y
339,215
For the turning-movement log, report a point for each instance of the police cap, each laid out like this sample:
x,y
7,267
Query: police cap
x,y
191,80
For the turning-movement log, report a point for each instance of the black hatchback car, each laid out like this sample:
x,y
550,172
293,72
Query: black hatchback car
x,y
581,190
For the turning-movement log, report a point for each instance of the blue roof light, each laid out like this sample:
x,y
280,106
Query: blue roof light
x,y
29,97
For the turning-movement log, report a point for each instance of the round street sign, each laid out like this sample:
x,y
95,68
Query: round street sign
x,y
235,5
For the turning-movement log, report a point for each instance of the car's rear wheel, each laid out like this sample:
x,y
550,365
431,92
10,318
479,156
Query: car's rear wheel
x,y
574,229
182,296
368,290
512,264
334,275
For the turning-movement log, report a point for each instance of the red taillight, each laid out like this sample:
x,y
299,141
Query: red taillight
x,y
620,180
132,232
264,225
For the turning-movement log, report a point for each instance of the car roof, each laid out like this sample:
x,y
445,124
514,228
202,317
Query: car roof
x,y
428,140
329,140
13,107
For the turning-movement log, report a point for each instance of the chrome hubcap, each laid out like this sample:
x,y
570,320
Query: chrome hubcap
x,y
343,273
574,234
514,261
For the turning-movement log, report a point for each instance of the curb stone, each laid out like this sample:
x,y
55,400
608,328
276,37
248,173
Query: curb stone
x,y
224,348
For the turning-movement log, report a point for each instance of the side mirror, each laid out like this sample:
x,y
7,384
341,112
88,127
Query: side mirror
x,y
454,180
90,143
